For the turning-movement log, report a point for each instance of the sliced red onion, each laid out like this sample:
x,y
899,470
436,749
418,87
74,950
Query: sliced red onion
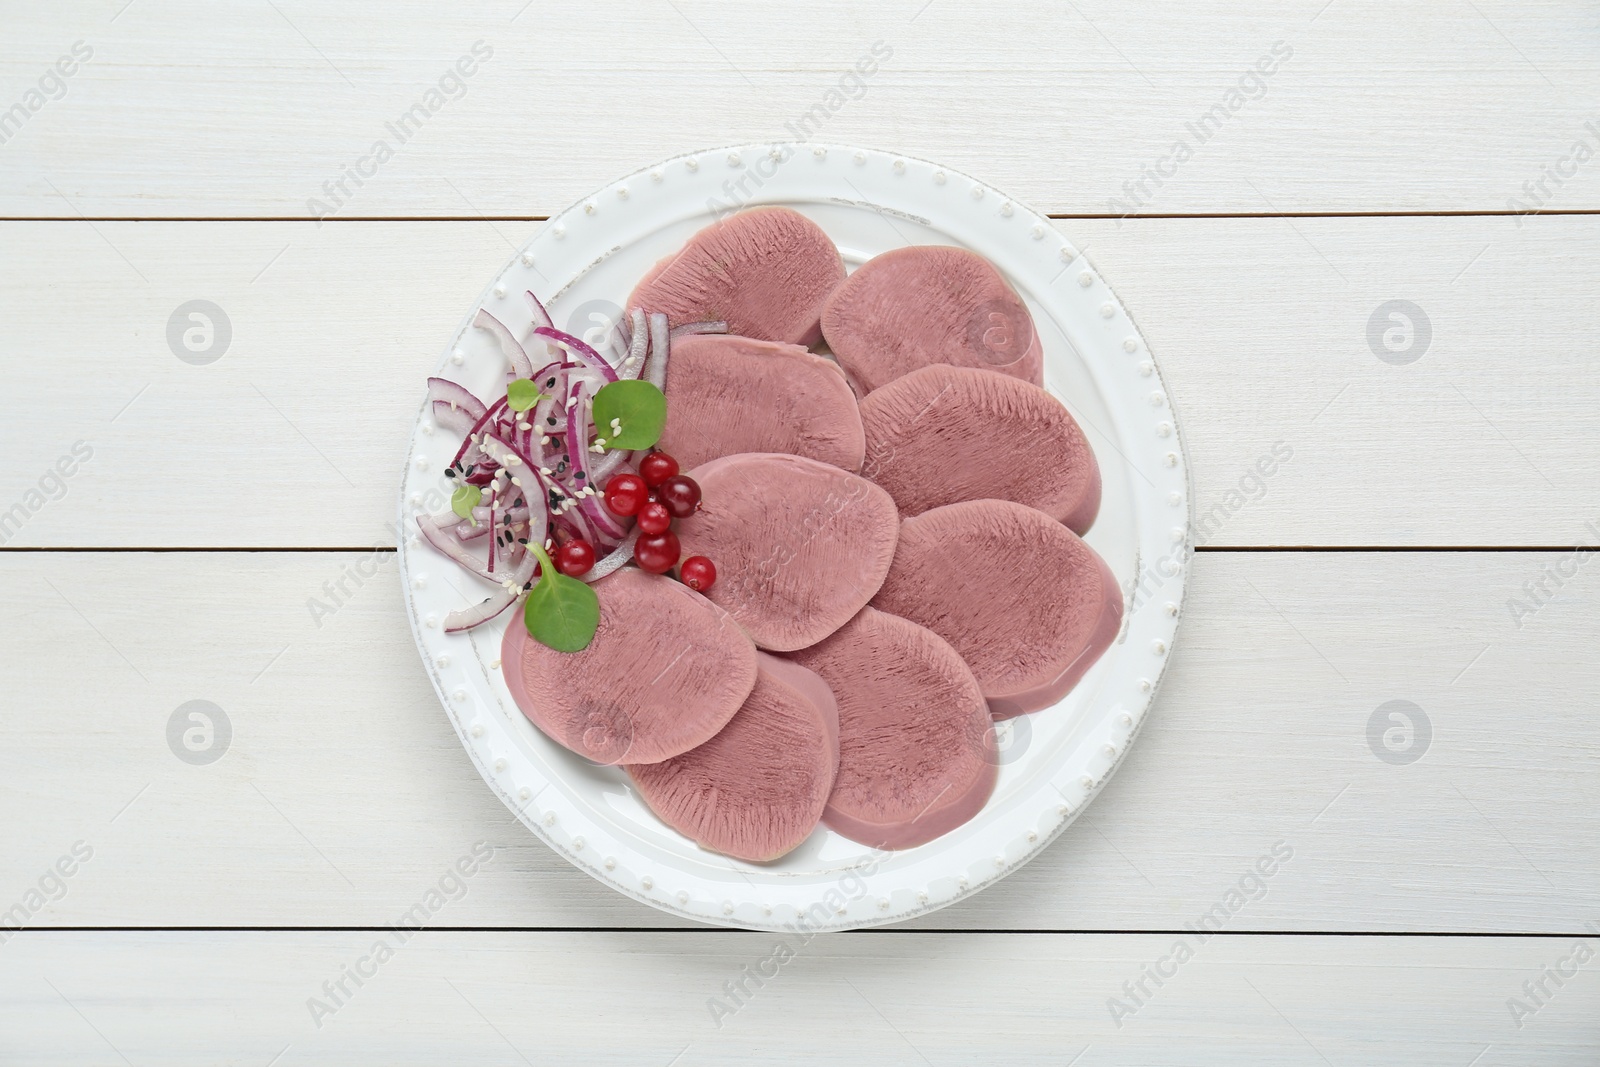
x,y
478,614
511,516
445,541
660,346
614,561
520,363
536,520
606,466
686,329
638,347
573,521
451,418
620,341
579,348
550,380
541,314
478,427
494,541
457,396
580,475
499,450
578,412
549,409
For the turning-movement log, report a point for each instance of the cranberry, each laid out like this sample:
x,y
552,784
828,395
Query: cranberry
x,y
656,468
681,494
654,518
575,557
698,573
625,494
657,552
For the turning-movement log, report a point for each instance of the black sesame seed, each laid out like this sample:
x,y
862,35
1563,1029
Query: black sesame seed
x,y
551,420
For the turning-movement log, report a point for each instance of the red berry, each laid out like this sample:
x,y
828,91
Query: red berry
x,y
654,518
625,494
575,557
681,494
656,468
698,573
657,552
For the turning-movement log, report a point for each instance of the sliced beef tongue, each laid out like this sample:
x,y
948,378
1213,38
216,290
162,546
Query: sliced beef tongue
x,y
758,788
916,744
912,307
1025,602
799,546
730,394
944,434
666,670
765,272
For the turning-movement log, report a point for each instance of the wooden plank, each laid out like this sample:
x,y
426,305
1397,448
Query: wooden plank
x,y
634,997
344,789
294,435
1065,107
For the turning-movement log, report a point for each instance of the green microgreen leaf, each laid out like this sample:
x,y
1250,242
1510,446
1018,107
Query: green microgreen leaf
x,y
464,499
522,394
639,408
560,612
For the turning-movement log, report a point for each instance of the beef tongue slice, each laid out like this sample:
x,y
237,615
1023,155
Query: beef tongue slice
x,y
916,743
1026,603
758,788
666,670
729,394
944,434
799,546
926,304
765,272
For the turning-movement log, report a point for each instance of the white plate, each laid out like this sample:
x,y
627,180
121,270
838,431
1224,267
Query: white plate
x,y
587,259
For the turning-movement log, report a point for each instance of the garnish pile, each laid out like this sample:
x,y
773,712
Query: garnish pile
x,y
532,464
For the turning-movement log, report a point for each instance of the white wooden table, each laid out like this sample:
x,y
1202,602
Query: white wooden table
x,y
1387,157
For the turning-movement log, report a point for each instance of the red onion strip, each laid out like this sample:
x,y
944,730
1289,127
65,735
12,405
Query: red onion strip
x,y
579,348
520,363
443,540
617,557
452,418
660,345
578,411
606,466
457,396
467,443
541,314
478,614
